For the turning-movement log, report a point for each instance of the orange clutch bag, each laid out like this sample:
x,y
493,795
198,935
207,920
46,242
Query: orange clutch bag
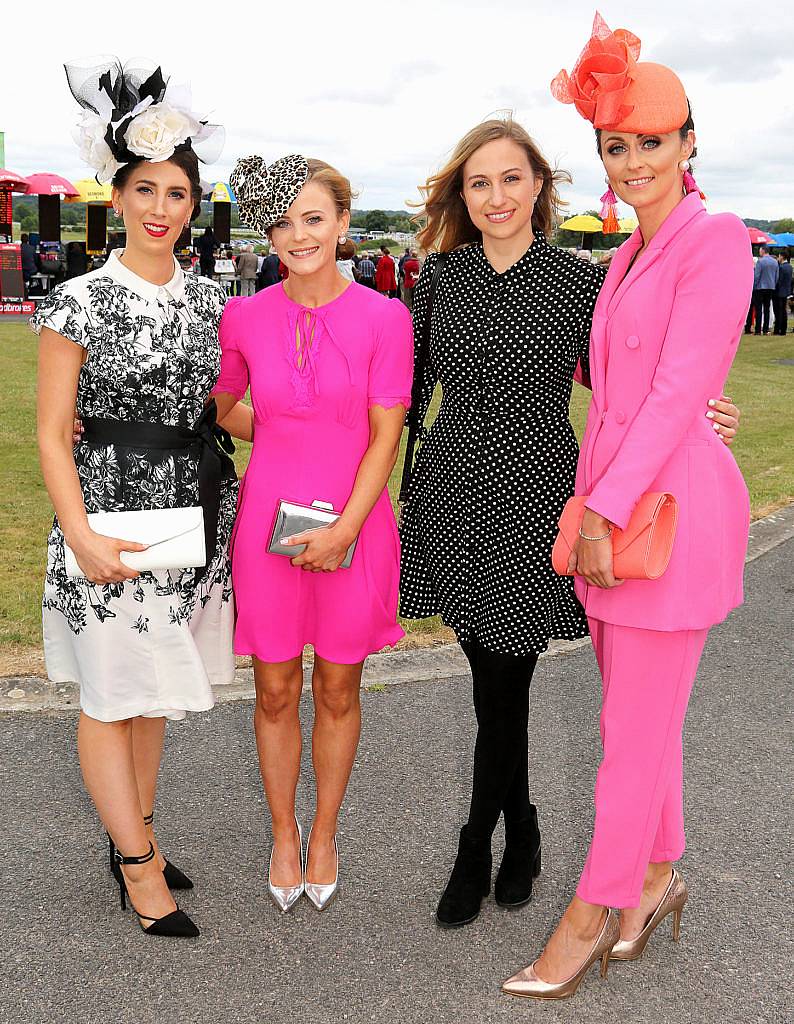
x,y
640,552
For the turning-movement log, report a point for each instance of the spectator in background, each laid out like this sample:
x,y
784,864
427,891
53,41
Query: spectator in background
x,y
366,271
206,246
385,277
410,277
400,271
344,259
247,263
764,285
782,291
268,273
76,260
30,260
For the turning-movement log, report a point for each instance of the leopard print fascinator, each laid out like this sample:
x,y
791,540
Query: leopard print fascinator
x,y
264,194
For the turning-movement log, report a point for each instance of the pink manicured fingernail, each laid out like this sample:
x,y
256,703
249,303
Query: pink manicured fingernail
x,y
716,426
709,415
285,540
712,401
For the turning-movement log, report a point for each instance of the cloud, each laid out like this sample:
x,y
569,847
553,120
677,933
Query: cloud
x,y
385,97
753,55
374,91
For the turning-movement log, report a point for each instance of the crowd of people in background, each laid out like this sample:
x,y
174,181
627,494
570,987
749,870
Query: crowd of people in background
x,y
772,288
244,272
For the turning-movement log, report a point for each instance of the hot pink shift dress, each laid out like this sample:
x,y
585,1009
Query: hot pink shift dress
x,y
314,374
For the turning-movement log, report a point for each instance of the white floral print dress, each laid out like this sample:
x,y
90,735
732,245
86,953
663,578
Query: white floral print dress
x,y
154,645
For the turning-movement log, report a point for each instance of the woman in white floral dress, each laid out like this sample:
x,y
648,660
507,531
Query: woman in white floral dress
x,y
134,345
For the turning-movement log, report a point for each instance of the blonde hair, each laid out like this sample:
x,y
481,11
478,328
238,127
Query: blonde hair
x,y
340,190
447,222
334,182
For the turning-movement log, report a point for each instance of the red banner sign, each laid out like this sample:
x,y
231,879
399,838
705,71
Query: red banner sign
x,y
26,308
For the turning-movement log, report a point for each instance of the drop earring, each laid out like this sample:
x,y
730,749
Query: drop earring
x,y
342,239
690,185
609,210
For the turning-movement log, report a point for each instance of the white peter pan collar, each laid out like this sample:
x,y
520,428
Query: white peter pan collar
x,y
174,289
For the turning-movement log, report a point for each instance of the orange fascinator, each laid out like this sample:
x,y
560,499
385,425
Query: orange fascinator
x,y
613,90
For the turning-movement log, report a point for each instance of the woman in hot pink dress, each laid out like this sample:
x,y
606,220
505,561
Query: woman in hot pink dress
x,y
329,364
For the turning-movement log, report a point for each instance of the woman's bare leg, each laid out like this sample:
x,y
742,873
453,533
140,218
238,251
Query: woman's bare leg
x,y
106,759
148,735
278,743
337,727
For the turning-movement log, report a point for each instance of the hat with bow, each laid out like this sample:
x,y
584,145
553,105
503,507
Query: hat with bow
x,y
264,194
614,90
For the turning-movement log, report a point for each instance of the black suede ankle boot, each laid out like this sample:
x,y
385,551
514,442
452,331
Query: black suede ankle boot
x,y
469,882
520,864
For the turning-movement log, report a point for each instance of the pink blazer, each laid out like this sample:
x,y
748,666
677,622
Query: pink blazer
x,y
663,340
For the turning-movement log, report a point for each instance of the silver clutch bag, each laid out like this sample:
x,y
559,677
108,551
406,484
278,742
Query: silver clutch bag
x,y
292,519
175,537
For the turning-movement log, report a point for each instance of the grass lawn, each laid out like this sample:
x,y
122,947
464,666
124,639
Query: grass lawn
x,y
759,384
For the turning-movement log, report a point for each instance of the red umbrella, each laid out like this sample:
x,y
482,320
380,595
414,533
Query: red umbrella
x,y
50,185
759,237
12,182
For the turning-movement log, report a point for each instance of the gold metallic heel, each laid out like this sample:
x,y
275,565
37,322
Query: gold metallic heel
x,y
528,985
672,902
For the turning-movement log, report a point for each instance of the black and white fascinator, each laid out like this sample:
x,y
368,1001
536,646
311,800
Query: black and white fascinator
x,y
133,110
264,194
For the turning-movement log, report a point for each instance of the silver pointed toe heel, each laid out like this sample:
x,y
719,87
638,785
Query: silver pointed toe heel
x,y
286,896
321,895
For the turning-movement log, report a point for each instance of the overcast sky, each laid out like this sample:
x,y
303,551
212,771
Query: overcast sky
x,y
383,91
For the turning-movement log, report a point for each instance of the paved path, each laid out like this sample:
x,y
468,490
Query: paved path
x,y
69,955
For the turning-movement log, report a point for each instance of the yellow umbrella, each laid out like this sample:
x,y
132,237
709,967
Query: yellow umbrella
x,y
220,193
90,191
582,222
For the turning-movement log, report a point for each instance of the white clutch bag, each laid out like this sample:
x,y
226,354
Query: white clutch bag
x,y
175,537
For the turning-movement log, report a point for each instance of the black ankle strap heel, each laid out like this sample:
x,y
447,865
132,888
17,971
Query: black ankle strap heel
x,y
176,924
174,878
119,860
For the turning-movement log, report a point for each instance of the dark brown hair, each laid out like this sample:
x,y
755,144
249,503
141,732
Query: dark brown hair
x,y
185,159
448,224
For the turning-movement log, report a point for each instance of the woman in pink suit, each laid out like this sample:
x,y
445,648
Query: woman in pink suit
x,y
329,365
665,331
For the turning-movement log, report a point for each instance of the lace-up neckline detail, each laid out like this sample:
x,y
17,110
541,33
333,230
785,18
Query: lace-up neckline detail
x,y
309,327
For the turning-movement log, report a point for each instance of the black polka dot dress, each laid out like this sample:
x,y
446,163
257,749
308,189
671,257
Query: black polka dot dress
x,y
495,469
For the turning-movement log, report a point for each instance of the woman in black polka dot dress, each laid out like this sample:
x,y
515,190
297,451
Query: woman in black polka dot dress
x,y
510,328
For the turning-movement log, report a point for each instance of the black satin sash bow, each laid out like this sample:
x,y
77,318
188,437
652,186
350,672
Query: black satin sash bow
x,y
209,443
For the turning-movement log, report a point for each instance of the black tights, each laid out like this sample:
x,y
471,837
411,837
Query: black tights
x,y
501,768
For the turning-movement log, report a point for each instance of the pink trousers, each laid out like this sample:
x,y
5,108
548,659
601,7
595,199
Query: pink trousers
x,y
647,678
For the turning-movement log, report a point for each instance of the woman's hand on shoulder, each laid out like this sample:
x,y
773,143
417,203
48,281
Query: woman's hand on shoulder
x,y
100,557
326,548
724,416
592,559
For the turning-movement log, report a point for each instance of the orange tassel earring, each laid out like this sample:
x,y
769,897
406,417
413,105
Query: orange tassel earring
x,y
609,211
